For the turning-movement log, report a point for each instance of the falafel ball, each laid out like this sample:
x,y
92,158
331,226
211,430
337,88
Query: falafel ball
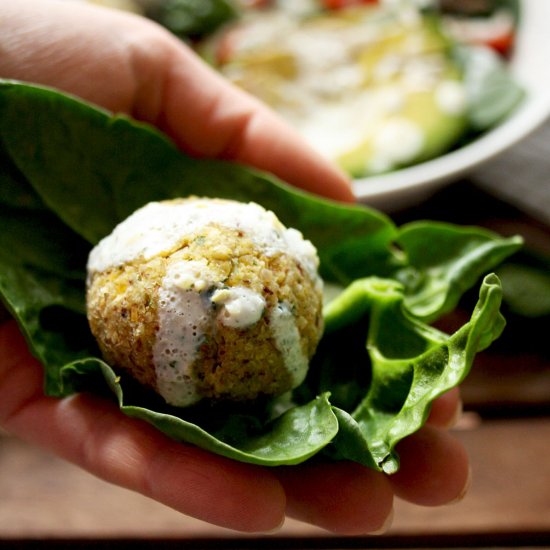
x,y
206,299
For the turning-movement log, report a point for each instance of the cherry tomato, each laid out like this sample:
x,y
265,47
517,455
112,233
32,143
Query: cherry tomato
x,y
502,43
339,4
252,4
496,32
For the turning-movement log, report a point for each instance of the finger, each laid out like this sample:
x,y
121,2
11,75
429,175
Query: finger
x,y
92,433
227,123
81,49
344,497
446,410
133,65
207,116
434,468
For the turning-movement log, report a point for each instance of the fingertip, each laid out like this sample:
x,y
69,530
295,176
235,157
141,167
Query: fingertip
x,y
12,341
344,498
231,494
331,185
339,187
465,489
434,468
386,525
270,144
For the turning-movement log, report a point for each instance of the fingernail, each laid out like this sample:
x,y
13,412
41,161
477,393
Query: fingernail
x,y
275,530
387,524
465,489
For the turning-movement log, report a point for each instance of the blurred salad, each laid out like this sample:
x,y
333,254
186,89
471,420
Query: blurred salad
x,y
375,85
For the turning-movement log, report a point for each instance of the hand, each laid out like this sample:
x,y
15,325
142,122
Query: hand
x,y
344,497
127,64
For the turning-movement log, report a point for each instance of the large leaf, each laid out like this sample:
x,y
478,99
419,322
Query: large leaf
x,y
71,172
426,363
111,165
42,281
439,274
402,364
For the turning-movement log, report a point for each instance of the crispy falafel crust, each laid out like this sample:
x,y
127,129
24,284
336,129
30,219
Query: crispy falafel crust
x,y
231,363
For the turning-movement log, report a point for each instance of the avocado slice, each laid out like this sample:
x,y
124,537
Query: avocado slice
x,y
414,63
427,124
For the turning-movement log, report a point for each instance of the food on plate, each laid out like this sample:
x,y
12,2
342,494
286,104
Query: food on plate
x,y
372,89
203,298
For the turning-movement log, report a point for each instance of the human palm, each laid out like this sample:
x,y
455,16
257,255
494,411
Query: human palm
x,y
128,64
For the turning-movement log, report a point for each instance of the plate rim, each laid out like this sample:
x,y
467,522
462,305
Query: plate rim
x,y
402,186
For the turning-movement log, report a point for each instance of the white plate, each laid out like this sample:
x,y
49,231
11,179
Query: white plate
x,y
530,65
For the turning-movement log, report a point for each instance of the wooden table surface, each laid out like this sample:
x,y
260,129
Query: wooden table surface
x,y
506,429
43,497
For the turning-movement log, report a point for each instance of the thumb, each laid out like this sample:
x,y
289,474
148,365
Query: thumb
x,y
208,116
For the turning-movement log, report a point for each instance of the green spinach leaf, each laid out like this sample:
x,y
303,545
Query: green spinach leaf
x,y
73,171
409,363
526,279
492,91
436,276
42,281
192,19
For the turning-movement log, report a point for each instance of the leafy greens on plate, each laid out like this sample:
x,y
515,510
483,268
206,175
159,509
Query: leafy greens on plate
x,y
70,172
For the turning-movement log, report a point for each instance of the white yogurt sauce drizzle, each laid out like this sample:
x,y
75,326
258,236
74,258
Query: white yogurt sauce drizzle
x,y
183,317
287,341
242,307
158,228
